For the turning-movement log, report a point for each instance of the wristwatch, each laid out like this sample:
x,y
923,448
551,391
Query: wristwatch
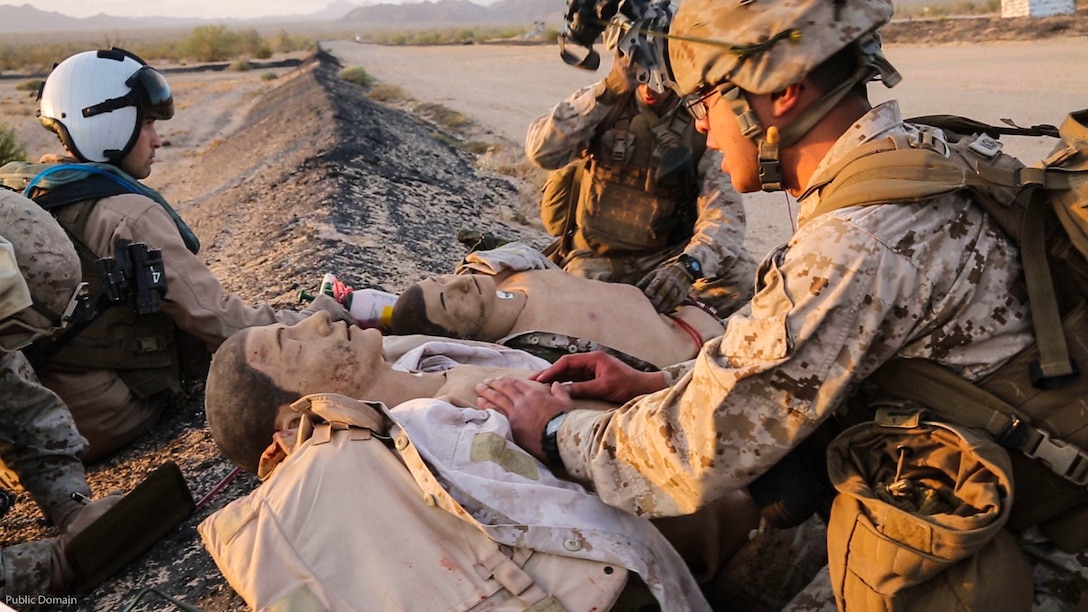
x,y
691,266
549,441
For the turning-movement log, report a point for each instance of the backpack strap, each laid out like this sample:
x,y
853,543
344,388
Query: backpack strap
x,y
956,399
891,170
1054,367
94,187
964,125
900,170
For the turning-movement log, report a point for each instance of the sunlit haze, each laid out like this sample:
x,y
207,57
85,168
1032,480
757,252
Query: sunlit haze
x,y
203,9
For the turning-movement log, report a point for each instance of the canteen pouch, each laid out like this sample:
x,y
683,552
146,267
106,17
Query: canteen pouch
x,y
917,522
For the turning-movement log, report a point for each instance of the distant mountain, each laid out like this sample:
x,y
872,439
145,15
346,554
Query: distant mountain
x,y
25,18
458,12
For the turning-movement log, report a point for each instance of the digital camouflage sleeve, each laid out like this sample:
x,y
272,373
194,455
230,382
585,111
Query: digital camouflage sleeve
x,y
852,289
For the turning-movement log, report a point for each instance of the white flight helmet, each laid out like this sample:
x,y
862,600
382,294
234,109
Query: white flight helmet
x,y
96,102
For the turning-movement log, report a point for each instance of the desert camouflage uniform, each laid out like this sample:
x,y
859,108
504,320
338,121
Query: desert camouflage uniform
x,y
38,439
558,137
39,444
852,289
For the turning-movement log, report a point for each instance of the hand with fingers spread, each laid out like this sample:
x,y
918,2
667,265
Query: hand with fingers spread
x,y
600,375
528,406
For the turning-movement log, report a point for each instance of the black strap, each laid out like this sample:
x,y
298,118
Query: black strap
x,y
964,125
94,187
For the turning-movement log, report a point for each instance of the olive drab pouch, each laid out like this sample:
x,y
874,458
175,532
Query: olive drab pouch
x,y
918,520
559,196
618,211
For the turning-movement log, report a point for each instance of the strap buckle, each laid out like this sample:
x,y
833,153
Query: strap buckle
x,y
1063,458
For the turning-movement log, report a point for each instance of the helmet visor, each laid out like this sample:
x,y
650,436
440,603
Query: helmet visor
x,y
153,92
148,91
16,334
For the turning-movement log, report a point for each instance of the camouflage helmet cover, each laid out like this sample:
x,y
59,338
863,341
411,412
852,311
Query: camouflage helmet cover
x,y
14,294
763,46
47,261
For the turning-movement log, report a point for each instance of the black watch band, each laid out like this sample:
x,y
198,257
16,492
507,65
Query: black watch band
x,y
691,265
549,441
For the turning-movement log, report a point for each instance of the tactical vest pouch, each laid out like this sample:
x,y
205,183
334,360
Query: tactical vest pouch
x,y
617,213
142,349
559,195
917,523
342,524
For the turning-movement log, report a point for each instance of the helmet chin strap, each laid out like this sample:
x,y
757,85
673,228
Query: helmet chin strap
x,y
769,140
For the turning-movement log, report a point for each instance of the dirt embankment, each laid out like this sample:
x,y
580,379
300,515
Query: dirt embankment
x,y
319,179
989,28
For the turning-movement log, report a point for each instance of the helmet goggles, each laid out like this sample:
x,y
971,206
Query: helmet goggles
x,y
148,91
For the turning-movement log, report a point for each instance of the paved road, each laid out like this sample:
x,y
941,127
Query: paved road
x,y
505,87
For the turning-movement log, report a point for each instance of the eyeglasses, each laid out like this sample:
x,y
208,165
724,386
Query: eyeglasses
x,y
149,91
16,334
697,105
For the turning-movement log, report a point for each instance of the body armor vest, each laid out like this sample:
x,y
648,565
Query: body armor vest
x,y
141,348
638,189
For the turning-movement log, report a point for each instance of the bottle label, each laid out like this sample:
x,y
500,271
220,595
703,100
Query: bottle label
x,y
371,308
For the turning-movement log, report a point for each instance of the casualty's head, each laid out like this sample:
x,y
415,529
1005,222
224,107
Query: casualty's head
x,y
450,305
103,106
258,372
40,274
725,54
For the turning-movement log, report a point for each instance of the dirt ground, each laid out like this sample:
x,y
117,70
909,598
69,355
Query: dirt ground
x,y
285,178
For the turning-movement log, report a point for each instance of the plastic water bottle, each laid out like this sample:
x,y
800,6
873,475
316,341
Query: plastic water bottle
x,y
371,308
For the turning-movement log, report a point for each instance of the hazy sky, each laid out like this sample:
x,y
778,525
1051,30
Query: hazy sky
x,y
211,9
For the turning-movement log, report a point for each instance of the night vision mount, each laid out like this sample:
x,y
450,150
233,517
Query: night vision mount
x,y
635,28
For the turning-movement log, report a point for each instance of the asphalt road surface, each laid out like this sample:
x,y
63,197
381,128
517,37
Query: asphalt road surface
x,y
506,87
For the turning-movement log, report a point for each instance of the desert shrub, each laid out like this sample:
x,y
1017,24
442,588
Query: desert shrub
x,y
30,85
383,92
10,148
240,66
444,116
207,44
357,75
269,76
442,36
204,43
284,42
248,42
477,147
